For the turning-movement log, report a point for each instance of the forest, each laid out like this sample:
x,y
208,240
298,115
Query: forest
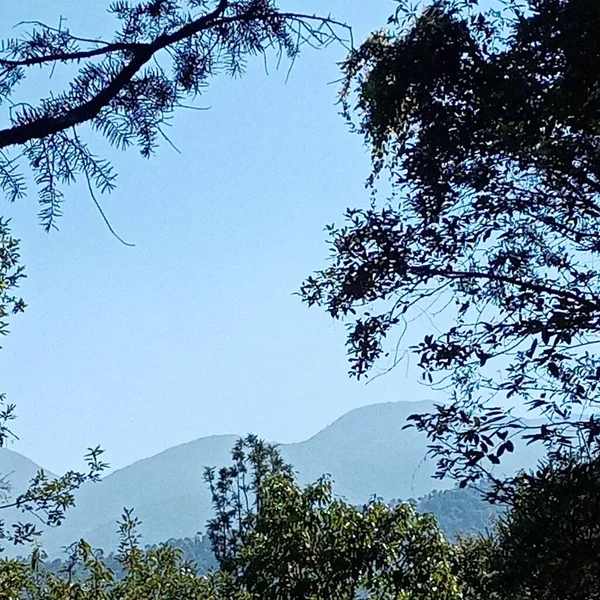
x,y
482,121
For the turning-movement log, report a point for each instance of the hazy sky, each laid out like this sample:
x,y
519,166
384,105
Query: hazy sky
x,y
196,330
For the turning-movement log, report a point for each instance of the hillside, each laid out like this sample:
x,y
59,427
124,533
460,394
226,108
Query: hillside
x,y
366,452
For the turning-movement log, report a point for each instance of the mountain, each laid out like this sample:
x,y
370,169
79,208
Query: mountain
x,y
366,452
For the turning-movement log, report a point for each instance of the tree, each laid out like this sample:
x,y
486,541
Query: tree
x,y
279,540
273,539
126,88
548,545
487,123
158,572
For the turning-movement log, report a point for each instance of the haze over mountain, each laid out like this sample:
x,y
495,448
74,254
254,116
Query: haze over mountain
x,y
366,452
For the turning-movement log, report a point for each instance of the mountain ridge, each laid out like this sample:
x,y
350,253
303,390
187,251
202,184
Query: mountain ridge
x,y
365,451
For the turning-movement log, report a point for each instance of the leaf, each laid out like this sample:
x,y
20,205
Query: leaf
x,y
553,369
531,350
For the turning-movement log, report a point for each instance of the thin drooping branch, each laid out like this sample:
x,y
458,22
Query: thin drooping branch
x,y
532,286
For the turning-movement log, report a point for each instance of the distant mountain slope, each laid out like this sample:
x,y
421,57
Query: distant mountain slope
x,y
17,469
366,452
460,511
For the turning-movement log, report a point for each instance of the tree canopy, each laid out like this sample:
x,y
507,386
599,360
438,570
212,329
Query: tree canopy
x,y
548,544
272,539
280,540
486,121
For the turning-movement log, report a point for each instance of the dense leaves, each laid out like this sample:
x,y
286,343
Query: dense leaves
x,y
282,541
279,540
548,545
487,122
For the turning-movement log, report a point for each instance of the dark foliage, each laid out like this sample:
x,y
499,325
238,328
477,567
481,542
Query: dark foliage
x,y
487,122
548,545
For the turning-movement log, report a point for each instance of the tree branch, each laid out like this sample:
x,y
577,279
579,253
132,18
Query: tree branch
x,y
534,287
72,56
44,126
142,54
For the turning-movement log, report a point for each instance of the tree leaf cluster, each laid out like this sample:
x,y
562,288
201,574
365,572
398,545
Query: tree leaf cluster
x,y
486,121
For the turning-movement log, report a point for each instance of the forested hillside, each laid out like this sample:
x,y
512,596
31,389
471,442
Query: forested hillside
x,y
458,511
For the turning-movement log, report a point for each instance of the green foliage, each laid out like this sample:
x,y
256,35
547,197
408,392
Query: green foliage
x,y
11,272
487,122
274,540
236,495
303,542
47,499
155,573
475,571
546,546
280,540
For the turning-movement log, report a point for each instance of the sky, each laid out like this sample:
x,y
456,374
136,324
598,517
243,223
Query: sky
x,y
196,330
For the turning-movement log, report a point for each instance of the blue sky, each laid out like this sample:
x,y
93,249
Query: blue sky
x,y
195,331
